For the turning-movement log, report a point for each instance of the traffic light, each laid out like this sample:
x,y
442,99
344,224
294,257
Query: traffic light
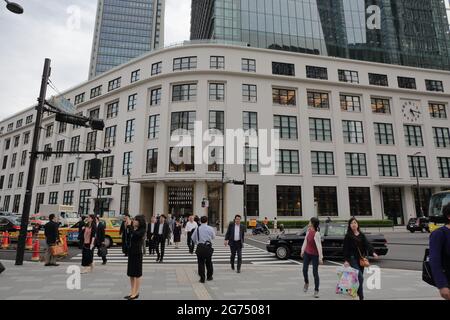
x,y
97,124
72,119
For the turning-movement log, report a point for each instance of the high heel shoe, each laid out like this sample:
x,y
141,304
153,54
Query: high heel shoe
x,y
127,297
134,298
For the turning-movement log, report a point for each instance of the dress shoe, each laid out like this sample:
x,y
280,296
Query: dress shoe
x,y
239,271
210,279
127,297
161,260
232,267
202,281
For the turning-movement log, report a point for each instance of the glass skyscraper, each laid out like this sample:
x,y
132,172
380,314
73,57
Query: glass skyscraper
x,y
125,29
410,32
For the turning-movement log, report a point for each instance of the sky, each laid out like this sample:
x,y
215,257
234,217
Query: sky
x,y
61,30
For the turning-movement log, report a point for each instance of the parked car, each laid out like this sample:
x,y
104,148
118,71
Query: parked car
x,y
418,224
289,245
39,220
11,224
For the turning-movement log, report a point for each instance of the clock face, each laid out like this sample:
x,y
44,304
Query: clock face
x,y
411,111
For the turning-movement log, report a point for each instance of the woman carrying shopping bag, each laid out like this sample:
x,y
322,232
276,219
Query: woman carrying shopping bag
x,y
312,253
356,250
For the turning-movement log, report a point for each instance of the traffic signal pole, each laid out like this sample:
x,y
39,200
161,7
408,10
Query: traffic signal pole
x,y
32,166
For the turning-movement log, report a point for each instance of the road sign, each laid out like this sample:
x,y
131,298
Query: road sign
x,y
63,105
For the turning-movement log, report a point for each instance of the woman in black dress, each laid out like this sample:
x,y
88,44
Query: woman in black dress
x,y
89,232
177,233
137,229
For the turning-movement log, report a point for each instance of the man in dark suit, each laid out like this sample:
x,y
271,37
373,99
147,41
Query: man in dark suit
x,y
151,230
100,239
162,231
51,231
235,239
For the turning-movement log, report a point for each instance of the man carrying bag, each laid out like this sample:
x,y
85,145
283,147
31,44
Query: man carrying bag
x,y
203,238
51,231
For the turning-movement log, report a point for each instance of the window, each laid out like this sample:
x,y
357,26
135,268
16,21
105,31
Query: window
x,y
381,105
70,169
406,83
318,100
326,199
378,79
110,137
6,202
60,148
135,76
434,85
360,203
353,131
250,121
216,92
26,138
79,98
49,131
152,161
7,144
62,127
43,178
417,166
356,164
112,110
75,143
84,201
16,141
185,63
322,163
124,196
348,76
57,174
91,141
444,167
10,181
252,200
95,92
251,159
16,203
127,163
23,158
413,136
283,97
114,84
217,121
350,103
287,126
384,134
437,110
184,92
283,69
29,119
441,137
20,180
13,160
156,68
181,159
387,165
153,127
320,129
249,93
68,198
5,162
130,130
215,159
155,97
217,62
289,201
77,126
2,181
10,127
94,113
39,201
316,72
107,167
19,123
183,121
132,102
248,65
287,161
47,147
86,169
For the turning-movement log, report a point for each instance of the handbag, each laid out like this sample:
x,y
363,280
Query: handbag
x,y
363,261
102,251
57,250
204,249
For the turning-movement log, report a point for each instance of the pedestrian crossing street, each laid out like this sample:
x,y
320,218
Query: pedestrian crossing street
x,y
250,255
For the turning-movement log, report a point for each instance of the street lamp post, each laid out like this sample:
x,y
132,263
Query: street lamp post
x,y
14,7
416,173
245,182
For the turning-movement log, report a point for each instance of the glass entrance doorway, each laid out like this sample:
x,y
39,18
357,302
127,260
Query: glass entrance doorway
x,y
181,201
393,205
214,210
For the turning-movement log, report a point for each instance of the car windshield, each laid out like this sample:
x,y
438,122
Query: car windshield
x,y
336,230
115,223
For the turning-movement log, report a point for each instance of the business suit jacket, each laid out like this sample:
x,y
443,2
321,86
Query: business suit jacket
x,y
51,230
230,234
101,230
166,230
149,231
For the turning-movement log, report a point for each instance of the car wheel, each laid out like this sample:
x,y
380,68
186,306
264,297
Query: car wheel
x,y
412,230
282,252
108,242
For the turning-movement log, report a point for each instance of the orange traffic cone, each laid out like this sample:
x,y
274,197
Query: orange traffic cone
x,y
5,240
36,249
29,244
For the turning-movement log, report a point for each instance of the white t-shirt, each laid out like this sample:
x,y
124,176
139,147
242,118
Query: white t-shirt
x,y
191,226
237,234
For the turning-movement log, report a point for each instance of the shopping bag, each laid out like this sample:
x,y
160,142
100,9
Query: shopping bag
x,y
58,250
348,283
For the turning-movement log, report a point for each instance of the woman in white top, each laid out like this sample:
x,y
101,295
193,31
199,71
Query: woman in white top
x,y
312,253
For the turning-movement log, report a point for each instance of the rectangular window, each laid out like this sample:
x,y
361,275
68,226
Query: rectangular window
x,y
39,201
185,63
417,167
16,141
248,65
350,103
114,84
124,196
68,198
381,105
95,92
322,163
84,201
284,97
413,136
152,161
434,85
19,123
249,93
77,126
107,167
356,164
184,159
47,147
43,177
250,121
16,203
378,79
20,180
60,148
75,143
86,169
326,199
183,121
2,181
384,134
353,131
29,119
6,202
441,137
251,159
49,131
26,138
130,130
216,92
10,127
217,121
348,76
287,161
135,76
132,102
127,163
153,127
217,62
437,110
283,69
5,162
62,127
406,83
57,174
110,137
360,202
289,201
91,141
10,181
70,171
444,167
318,100
112,110
287,126
316,72
252,200
387,165
79,98
184,92
215,159
156,68
94,113
320,129
7,144
155,97
13,160
23,159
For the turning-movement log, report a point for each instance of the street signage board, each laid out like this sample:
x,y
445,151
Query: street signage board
x,y
63,105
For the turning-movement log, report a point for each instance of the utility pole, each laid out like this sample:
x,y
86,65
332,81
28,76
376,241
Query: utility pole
x,y
222,196
32,166
245,188
416,173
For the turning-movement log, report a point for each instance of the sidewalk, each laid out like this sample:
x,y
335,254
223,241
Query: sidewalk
x,y
33,281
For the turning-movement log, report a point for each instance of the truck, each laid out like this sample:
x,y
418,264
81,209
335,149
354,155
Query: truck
x,y
67,215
